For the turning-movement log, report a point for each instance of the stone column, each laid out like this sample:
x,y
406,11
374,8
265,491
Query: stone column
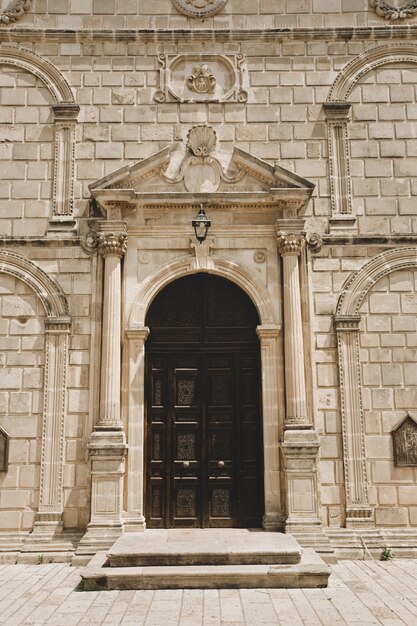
x,y
358,510
301,445
274,516
65,118
108,442
290,246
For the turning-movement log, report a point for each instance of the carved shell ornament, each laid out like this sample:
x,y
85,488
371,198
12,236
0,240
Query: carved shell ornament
x,y
385,9
201,141
12,10
199,8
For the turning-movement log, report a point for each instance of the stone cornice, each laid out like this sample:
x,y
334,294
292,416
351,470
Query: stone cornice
x,y
375,33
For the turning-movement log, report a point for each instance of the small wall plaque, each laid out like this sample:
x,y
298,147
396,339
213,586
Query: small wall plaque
x,y
4,450
405,443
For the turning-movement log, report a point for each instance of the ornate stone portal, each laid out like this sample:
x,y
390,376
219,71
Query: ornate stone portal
x,y
199,8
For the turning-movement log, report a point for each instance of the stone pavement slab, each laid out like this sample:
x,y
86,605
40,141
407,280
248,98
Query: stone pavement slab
x,y
360,593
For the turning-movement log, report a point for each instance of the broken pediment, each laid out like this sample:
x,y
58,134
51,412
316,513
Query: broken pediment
x,y
199,172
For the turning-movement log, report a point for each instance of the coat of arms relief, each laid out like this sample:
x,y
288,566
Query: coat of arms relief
x,y
394,10
12,10
199,8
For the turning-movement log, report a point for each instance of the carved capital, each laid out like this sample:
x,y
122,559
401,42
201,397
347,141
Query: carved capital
x,y
112,244
58,325
337,111
290,244
347,323
66,111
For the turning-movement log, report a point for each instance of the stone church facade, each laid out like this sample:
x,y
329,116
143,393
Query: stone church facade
x,y
264,376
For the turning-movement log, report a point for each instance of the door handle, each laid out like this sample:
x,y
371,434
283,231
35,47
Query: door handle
x,y
186,464
220,463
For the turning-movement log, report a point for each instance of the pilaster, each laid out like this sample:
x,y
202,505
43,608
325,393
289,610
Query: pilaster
x,y
65,118
338,116
134,517
358,510
274,516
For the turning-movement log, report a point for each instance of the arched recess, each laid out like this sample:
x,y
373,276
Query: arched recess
x,y
337,109
347,321
57,328
65,112
182,267
268,332
43,69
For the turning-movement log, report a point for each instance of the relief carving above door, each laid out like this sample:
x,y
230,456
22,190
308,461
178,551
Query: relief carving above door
x,y
199,8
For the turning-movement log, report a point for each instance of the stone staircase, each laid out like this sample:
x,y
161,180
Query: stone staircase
x,y
205,559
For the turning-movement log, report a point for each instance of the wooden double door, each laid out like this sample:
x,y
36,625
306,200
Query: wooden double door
x,y
204,461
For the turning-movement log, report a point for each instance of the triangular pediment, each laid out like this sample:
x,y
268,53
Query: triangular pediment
x,y
200,174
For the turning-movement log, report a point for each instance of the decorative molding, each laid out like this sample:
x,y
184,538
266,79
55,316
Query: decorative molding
x,y
359,283
199,8
14,12
209,78
386,10
46,288
366,62
231,270
40,67
65,118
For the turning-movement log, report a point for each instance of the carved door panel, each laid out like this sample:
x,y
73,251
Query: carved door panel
x,y
203,421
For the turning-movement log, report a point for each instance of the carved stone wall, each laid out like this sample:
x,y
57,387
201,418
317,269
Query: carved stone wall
x,y
22,360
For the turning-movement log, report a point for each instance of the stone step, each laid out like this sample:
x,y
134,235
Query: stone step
x,y
310,572
203,547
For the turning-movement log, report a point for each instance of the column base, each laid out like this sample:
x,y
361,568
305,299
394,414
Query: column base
x,y
48,543
273,522
359,517
134,524
96,539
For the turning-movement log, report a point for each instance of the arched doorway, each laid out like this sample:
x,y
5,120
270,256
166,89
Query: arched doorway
x,y
204,460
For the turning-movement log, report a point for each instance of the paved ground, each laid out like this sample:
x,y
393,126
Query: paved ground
x,y
360,592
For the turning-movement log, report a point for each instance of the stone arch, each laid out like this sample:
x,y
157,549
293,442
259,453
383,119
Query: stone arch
x,y
357,286
40,67
45,287
347,321
224,268
367,61
57,328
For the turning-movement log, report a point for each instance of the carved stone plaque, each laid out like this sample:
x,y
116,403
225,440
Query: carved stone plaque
x,y
4,450
199,8
405,443
12,10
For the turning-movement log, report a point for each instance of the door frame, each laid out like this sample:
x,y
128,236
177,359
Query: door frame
x,y
272,384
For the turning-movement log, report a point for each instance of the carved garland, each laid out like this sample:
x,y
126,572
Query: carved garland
x,y
14,13
385,9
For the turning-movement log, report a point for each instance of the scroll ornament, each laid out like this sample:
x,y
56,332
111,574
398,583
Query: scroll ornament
x,y
385,9
14,12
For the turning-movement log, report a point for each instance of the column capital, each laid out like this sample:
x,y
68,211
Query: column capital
x,y
290,244
112,244
66,111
